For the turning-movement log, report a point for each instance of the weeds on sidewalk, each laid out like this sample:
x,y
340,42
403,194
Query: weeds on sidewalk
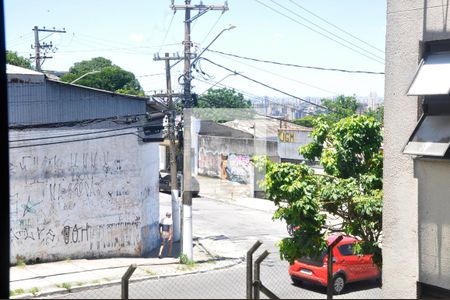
x,y
189,264
21,261
150,272
65,285
34,291
16,292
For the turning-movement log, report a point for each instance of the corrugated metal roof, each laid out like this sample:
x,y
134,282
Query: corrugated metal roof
x,y
22,75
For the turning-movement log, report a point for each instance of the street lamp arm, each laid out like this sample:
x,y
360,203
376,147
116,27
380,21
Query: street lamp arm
x,y
217,36
85,74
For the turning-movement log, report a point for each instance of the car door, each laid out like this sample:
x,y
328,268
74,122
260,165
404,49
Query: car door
x,y
368,268
349,262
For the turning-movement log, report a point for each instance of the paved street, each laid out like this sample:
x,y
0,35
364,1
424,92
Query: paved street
x,y
234,229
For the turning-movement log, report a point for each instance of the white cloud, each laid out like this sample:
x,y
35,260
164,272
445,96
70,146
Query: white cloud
x,y
136,37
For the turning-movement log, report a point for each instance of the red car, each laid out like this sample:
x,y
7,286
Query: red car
x,y
347,266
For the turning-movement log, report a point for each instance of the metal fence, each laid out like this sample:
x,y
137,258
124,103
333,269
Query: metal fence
x,y
216,278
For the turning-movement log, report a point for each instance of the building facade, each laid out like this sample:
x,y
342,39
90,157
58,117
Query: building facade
x,y
416,226
83,171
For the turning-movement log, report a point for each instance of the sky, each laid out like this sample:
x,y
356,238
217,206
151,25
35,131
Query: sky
x,y
330,34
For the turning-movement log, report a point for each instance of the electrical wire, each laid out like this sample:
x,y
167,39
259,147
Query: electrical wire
x,y
73,141
267,86
75,123
246,93
327,31
151,75
335,26
284,77
322,34
18,41
212,28
167,31
71,135
295,65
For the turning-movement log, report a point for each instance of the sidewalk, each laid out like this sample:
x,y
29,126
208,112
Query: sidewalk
x,y
233,193
73,275
55,278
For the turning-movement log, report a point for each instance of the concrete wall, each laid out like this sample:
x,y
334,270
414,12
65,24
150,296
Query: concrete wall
x,y
239,151
96,198
407,24
434,222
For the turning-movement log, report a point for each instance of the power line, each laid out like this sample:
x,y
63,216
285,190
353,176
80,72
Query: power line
x,y
167,32
322,34
73,141
255,96
72,135
295,65
274,102
151,75
115,119
266,85
327,31
335,26
212,28
285,77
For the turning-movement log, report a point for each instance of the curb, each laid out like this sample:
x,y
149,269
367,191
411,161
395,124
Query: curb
x,y
63,291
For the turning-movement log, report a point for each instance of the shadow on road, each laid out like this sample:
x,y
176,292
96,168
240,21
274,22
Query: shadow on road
x,y
349,287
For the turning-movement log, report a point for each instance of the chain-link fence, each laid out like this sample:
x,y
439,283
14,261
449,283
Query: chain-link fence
x,y
217,278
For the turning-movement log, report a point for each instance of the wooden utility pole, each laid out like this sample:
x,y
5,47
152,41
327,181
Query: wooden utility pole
x,y
186,239
38,48
172,147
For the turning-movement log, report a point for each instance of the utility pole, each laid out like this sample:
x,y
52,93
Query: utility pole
x,y
172,148
186,240
38,56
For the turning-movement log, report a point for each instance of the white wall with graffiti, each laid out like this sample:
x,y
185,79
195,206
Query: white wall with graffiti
x,y
92,198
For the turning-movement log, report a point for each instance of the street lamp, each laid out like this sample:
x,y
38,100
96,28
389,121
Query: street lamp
x,y
85,74
220,33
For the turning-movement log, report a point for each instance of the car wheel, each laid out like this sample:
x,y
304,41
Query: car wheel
x,y
296,281
195,194
338,284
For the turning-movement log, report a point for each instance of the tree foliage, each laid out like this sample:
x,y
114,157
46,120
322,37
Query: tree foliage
x,y
341,107
350,188
109,77
307,121
377,113
336,109
13,58
223,98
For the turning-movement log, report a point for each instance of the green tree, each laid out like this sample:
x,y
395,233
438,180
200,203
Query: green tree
x,y
351,187
341,107
336,109
377,113
109,77
223,98
13,58
307,121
